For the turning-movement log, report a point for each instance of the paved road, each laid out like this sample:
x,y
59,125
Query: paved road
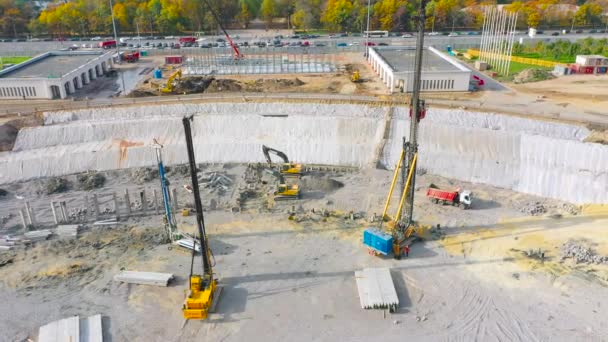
x,y
462,41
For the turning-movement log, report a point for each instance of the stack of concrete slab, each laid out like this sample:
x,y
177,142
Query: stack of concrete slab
x,y
8,243
376,289
68,230
144,278
72,329
38,235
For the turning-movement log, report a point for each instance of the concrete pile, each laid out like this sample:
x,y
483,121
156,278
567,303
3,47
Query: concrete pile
x,y
533,209
38,235
68,230
8,243
581,253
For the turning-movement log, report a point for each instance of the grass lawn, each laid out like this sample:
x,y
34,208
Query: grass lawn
x,y
14,60
535,55
516,67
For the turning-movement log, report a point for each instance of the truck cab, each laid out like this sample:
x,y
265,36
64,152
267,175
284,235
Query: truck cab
x,y
464,197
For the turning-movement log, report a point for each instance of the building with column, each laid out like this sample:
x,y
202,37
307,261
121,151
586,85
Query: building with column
x,y
53,75
395,67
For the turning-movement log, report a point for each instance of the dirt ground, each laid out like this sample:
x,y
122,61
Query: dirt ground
x,y
295,277
589,92
332,83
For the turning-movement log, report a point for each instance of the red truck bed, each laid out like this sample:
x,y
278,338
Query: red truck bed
x,y
441,194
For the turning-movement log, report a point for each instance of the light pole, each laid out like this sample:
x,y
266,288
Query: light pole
x,y
367,29
122,77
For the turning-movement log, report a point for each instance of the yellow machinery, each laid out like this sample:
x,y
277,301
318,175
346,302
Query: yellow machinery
x,y
287,168
285,191
169,87
394,221
203,290
355,76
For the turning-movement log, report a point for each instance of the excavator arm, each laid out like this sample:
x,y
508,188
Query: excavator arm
x,y
267,150
287,167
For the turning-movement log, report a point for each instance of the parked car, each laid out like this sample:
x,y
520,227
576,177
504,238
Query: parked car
x,y
555,33
433,33
540,32
408,35
96,38
453,34
382,44
341,45
579,31
592,31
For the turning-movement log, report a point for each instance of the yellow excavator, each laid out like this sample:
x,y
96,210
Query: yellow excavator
x,y
355,77
285,191
170,86
204,291
287,168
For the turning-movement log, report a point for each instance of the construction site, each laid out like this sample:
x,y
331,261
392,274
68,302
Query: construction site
x,y
307,197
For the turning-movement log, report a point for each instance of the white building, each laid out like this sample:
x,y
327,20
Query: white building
x,y
395,66
53,75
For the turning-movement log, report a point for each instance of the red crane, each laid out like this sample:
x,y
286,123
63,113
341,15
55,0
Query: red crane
x,y
235,49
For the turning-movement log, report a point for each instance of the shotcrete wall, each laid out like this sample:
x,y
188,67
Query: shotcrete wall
x,y
543,158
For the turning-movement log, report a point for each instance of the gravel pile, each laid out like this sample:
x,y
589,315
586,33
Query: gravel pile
x,y
571,209
581,253
533,209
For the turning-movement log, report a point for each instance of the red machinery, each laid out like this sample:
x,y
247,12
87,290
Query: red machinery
x,y
108,44
235,49
130,57
183,40
459,198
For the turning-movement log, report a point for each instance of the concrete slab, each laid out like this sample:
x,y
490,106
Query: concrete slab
x,y
376,289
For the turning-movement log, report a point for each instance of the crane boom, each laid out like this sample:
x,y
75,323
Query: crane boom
x,y
235,49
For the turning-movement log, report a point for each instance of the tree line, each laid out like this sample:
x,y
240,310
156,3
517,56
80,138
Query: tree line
x,y
87,17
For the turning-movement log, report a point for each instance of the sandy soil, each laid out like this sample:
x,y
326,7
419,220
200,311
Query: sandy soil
x,y
294,279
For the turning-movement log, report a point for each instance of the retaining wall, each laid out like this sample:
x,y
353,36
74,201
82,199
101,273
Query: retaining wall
x,y
542,158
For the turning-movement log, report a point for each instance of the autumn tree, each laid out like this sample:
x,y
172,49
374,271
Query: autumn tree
x,y
588,14
268,11
245,15
339,15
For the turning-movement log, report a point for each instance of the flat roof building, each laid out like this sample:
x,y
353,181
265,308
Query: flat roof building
x,y
395,66
53,75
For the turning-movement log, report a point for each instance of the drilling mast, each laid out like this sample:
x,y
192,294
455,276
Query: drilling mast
x,y
417,112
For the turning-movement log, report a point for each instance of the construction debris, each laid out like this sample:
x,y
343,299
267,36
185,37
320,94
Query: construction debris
x,y
215,181
55,185
581,253
72,329
533,209
91,180
376,289
144,174
144,278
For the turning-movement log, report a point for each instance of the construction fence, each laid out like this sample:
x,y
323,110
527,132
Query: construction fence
x,y
523,60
